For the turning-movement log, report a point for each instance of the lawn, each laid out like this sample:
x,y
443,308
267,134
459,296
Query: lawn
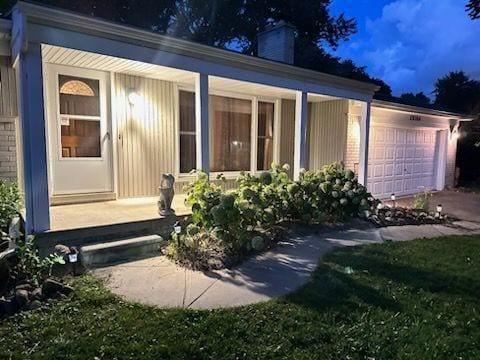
x,y
414,300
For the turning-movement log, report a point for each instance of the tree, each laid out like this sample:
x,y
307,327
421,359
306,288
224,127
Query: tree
x,y
418,99
236,23
456,91
473,9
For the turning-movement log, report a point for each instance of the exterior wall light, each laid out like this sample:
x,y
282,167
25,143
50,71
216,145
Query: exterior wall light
x,y
133,97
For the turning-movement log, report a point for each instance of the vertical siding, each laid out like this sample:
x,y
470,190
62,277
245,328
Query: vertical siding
x,y
327,132
8,88
146,134
287,134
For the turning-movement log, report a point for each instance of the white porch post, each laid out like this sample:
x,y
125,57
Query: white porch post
x,y
300,142
364,141
31,108
201,122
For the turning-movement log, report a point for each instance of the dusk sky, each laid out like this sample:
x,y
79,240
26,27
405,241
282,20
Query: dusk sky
x,y
411,43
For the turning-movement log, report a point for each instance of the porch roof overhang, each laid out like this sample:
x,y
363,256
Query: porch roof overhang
x,y
52,26
419,110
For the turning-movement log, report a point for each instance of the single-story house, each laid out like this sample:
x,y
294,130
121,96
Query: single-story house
x,y
93,110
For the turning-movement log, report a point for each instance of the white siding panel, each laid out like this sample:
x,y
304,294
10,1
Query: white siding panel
x,y
327,132
146,134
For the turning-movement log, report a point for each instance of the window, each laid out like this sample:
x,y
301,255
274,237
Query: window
x,y
230,128
230,134
79,101
188,156
265,135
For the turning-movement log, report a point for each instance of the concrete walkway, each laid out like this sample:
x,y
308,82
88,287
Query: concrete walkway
x,y
157,281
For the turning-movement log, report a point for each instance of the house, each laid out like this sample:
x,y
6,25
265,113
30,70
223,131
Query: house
x,y
104,109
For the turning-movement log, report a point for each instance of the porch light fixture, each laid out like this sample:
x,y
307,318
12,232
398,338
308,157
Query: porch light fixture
x,y
133,97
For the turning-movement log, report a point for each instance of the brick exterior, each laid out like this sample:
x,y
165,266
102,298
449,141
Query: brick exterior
x,y
8,149
352,147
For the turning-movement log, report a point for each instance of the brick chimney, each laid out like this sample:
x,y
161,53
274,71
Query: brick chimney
x,y
277,42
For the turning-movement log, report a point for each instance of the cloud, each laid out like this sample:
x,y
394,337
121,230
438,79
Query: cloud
x,y
414,42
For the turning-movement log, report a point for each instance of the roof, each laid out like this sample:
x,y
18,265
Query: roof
x,y
65,19
391,105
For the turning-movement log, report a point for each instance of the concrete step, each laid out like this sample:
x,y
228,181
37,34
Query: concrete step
x,y
101,254
105,233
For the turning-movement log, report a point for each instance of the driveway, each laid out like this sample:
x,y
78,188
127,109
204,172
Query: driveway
x,y
465,206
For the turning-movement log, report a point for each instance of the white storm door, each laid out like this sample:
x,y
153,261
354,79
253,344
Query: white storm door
x,y
80,146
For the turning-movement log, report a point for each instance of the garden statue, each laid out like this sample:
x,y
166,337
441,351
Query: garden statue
x,y
166,195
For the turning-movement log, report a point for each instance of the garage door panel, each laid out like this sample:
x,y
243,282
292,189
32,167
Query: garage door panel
x,y
378,171
389,170
409,153
399,153
400,136
410,137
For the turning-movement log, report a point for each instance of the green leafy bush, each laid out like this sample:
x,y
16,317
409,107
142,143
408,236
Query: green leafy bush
x,y
31,266
10,202
232,220
422,200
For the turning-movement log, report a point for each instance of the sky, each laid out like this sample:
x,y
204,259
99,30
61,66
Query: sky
x,y
411,43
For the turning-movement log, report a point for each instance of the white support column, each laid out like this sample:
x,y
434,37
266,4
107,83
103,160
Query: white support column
x,y
31,108
364,141
300,142
201,122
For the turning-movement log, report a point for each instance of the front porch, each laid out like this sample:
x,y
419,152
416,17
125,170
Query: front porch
x,y
103,213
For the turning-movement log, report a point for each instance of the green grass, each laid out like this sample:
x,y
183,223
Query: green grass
x,y
414,300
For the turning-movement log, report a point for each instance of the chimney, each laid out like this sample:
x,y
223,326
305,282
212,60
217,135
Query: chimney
x,y
277,42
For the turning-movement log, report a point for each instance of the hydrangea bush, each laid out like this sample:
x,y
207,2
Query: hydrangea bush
x,y
235,220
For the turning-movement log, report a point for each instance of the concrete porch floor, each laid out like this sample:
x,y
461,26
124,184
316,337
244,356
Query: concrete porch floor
x,y
77,216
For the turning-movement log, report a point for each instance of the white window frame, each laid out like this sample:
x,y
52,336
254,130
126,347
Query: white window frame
x,y
59,116
253,133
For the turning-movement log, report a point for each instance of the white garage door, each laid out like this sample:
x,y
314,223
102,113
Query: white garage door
x,y
401,161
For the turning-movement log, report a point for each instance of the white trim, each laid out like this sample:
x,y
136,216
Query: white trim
x,y
300,139
277,131
364,143
442,153
114,133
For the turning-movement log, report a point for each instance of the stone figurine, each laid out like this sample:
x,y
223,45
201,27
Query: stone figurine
x,y
166,195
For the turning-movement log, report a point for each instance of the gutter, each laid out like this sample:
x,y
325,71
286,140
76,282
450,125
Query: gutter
x,y
382,104
68,20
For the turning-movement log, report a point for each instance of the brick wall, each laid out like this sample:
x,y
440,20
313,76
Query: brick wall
x,y
352,147
8,149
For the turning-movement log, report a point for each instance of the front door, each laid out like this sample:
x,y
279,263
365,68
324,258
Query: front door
x,y
80,146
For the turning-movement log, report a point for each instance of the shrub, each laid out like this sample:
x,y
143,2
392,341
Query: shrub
x,y
231,221
422,201
31,266
10,202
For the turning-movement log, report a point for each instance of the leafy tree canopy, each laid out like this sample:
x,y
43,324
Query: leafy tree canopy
x,y
236,23
473,9
456,91
418,99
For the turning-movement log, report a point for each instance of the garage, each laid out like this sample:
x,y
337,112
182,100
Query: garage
x,y
411,149
401,160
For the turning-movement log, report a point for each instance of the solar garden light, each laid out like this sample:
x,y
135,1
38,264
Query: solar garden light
x,y
393,198
177,228
439,210
73,256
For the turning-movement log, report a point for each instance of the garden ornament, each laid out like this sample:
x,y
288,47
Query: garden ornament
x,y
166,195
